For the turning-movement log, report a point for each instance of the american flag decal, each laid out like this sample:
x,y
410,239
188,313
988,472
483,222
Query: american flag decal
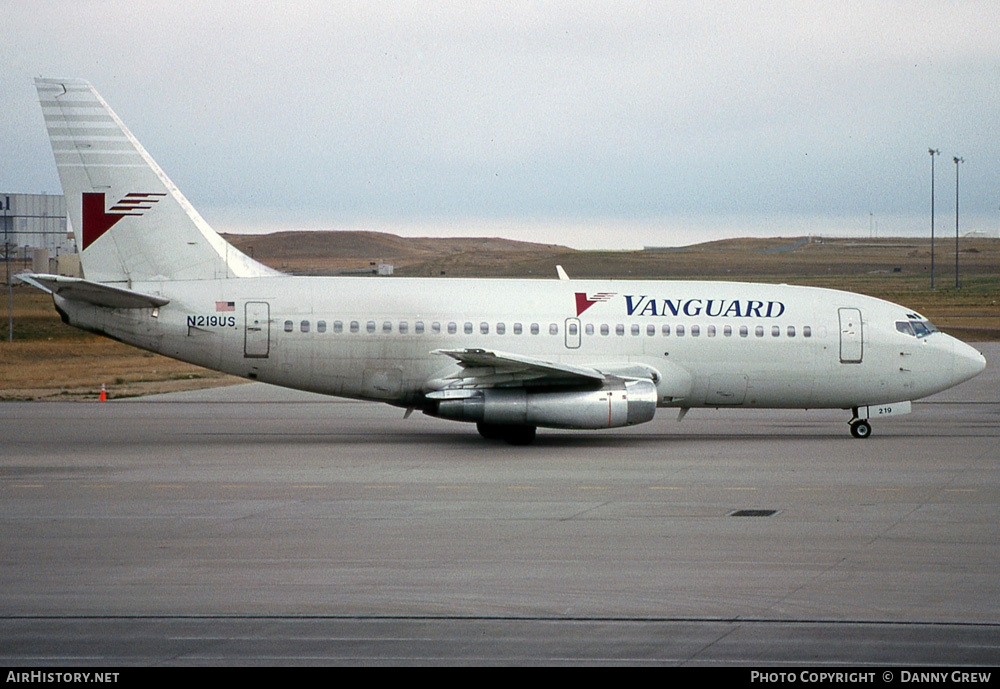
x,y
225,306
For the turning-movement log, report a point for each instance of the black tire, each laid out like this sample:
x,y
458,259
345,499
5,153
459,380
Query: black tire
x,y
512,435
490,431
861,429
519,435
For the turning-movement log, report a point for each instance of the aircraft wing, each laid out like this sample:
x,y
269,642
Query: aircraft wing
x,y
100,294
482,368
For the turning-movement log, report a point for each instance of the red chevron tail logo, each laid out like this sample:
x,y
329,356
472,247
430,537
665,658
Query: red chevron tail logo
x,y
97,220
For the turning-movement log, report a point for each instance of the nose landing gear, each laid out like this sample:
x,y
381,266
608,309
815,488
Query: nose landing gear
x,y
860,428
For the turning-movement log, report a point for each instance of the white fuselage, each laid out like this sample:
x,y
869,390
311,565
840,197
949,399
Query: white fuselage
x,y
709,343
509,355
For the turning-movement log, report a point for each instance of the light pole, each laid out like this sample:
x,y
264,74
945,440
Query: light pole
x,y
933,152
957,161
10,281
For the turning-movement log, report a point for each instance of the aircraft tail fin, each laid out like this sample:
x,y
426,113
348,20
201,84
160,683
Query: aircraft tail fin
x,y
132,224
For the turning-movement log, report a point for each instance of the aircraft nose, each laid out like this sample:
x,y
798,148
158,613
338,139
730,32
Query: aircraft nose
x,y
967,362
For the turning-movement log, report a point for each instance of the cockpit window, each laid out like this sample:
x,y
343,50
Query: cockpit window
x,y
916,328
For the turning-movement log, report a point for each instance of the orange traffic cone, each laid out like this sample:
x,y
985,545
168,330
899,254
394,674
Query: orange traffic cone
x,y
104,393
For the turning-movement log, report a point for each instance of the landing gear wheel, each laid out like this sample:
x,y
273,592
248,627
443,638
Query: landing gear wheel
x,y
519,435
861,429
512,435
490,431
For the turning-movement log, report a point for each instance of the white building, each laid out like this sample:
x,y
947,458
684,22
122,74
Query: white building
x,y
35,221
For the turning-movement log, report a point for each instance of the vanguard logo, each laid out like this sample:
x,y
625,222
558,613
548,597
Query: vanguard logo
x,y
715,308
583,302
97,221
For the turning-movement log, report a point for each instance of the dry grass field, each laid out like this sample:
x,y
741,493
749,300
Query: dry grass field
x,y
49,360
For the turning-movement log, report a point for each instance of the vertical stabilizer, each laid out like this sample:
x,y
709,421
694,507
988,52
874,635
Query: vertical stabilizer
x,y
132,224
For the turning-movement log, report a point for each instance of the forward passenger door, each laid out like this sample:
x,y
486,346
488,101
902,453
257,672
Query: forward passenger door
x,y
851,336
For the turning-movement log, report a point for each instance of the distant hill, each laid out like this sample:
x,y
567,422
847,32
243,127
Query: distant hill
x,y
796,259
351,251
352,244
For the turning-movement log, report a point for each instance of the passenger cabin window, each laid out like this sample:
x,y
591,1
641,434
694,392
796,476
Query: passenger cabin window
x,y
418,327
534,328
501,328
589,328
573,329
650,330
744,331
791,331
452,328
338,327
517,328
665,330
370,326
321,326
355,326
775,331
759,331
619,329
604,329
289,326
553,329
710,331
404,327
727,330
435,327
304,326
807,331
484,328
695,330
680,331
468,328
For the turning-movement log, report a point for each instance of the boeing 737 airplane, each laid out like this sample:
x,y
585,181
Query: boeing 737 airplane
x,y
508,355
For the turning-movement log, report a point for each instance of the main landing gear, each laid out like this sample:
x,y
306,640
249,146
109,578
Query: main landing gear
x,y
512,435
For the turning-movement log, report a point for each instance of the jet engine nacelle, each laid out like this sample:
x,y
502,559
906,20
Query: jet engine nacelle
x,y
617,403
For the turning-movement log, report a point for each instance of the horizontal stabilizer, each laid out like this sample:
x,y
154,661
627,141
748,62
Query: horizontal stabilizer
x,y
77,289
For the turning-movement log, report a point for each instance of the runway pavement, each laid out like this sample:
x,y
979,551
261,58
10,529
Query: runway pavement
x,y
250,525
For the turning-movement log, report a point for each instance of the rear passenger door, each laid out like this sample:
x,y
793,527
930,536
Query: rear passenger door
x,y
257,330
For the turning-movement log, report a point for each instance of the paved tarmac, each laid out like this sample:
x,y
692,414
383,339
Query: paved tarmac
x,y
252,525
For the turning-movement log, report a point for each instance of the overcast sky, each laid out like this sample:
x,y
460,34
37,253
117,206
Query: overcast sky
x,y
610,124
